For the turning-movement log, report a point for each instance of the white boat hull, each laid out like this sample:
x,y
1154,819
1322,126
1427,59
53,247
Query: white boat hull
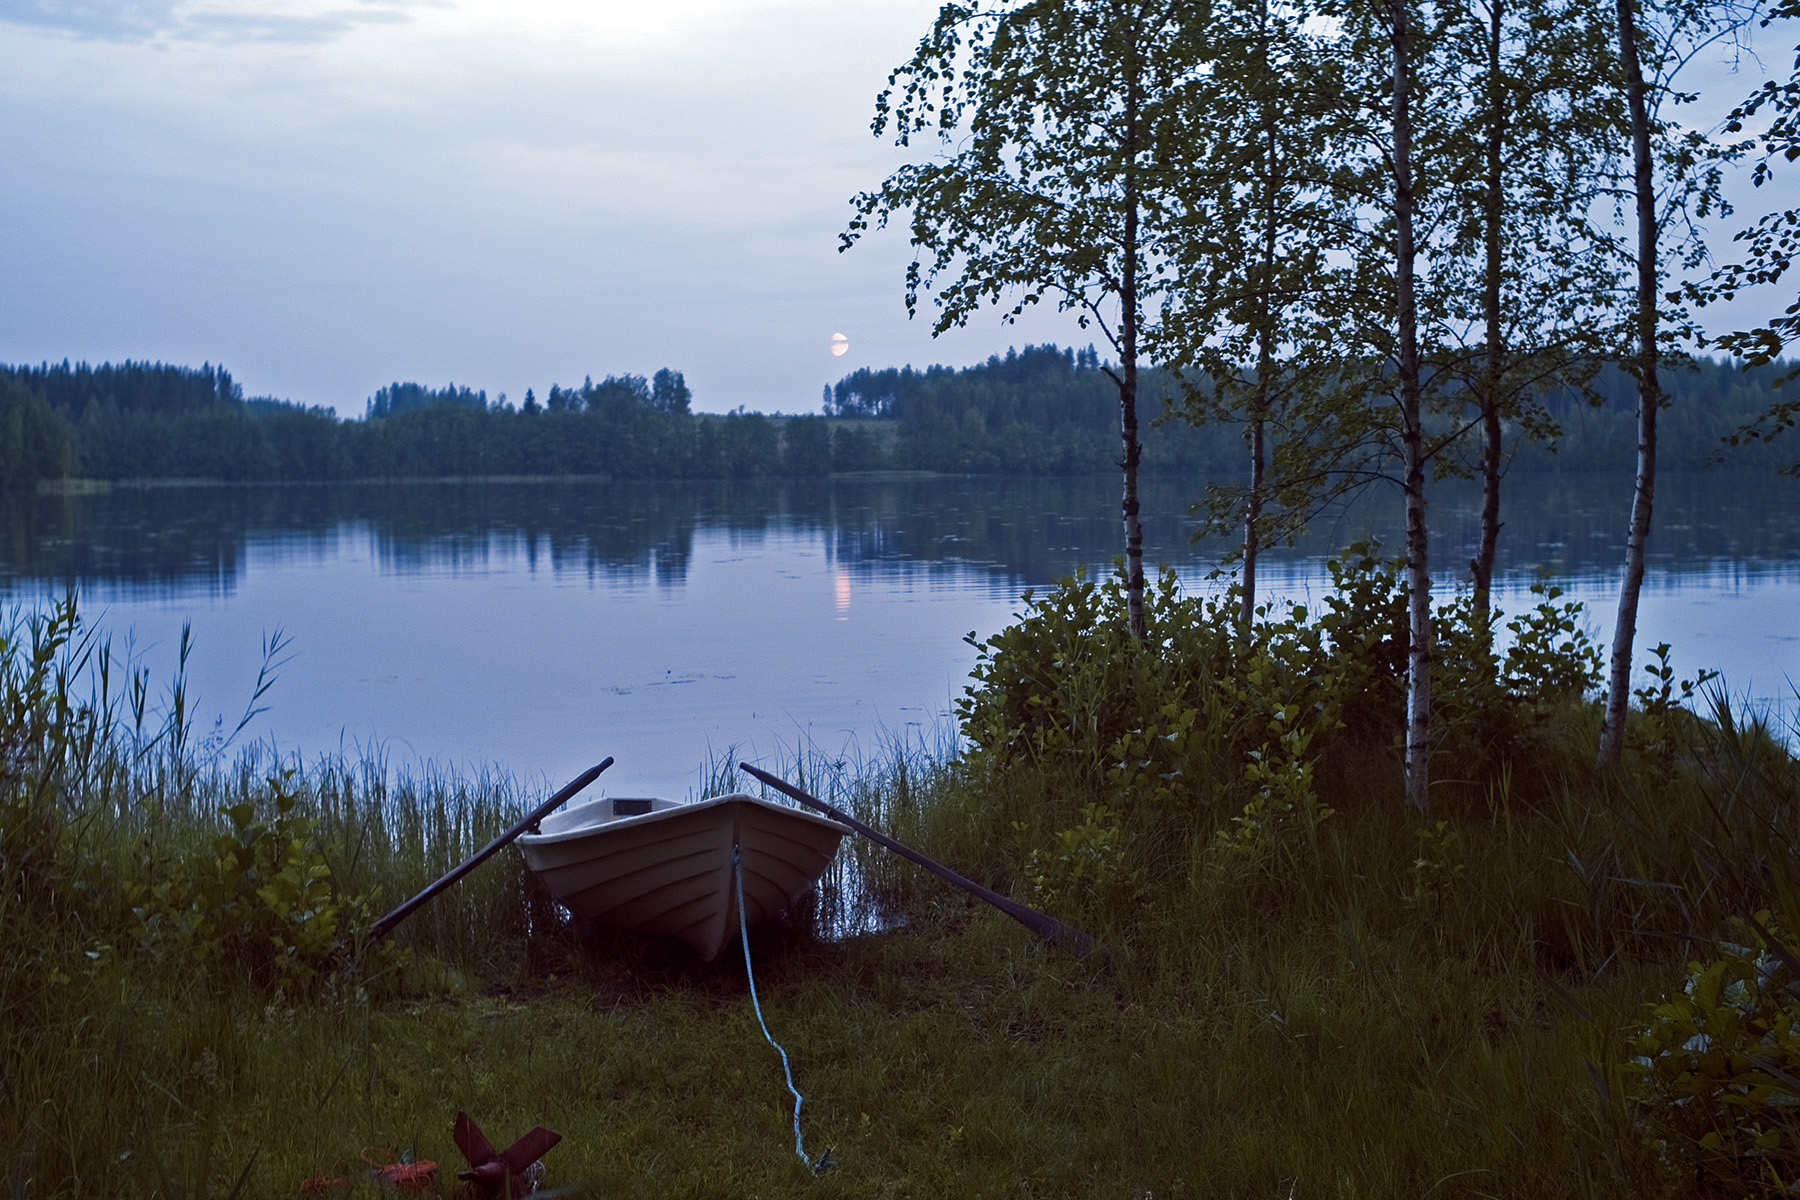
x,y
668,871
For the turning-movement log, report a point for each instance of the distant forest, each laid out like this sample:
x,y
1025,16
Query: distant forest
x,y
1039,411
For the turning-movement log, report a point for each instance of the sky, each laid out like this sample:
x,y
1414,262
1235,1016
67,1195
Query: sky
x,y
326,196
329,196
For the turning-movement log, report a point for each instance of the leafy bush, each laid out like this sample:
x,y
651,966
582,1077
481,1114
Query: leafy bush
x,y
1656,733
1211,724
1284,810
261,898
106,837
1174,721
1552,660
1718,1066
1088,860
1440,868
1065,683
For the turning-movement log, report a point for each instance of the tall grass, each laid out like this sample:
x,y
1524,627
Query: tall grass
x,y
894,789
126,1011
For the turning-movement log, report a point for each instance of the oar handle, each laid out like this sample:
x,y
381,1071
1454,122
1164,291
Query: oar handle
x,y
382,927
1042,924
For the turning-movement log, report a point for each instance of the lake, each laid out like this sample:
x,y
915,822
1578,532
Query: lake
x,y
537,627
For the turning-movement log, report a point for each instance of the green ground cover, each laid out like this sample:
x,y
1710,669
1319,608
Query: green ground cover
x,y
1311,992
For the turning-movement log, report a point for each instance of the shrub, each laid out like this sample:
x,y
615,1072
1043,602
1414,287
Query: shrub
x,y
1175,720
106,835
260,898
1718,1066
1087,864
1552,660
1657,731
1220,728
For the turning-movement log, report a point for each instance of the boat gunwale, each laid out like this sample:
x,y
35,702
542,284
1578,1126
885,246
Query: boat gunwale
x,y
676,808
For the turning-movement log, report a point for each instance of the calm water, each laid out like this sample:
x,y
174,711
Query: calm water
x,y
540,627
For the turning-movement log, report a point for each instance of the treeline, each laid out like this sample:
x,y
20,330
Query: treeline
x,y
666,393
1707,400
1046,410
1040,411
1033,413
151,420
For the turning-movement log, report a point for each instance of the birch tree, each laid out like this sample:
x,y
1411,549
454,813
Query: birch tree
x,y
1412,434
1057,122
1398,181
1361,237
1527,270
1248,326
1655,41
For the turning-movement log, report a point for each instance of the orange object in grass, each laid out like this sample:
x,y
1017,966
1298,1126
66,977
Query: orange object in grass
x,y
399,1176
327,1180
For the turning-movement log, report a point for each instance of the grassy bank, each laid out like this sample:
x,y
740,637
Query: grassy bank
x,y
1313,992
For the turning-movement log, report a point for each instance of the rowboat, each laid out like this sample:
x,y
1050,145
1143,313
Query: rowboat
x,y
665,867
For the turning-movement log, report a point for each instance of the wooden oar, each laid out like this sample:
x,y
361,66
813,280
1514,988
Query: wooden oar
x,y
1042,924
382,927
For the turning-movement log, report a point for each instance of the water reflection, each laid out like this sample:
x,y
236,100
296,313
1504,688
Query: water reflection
x,y
539,626
1016,533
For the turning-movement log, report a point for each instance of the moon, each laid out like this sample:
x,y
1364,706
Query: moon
x,y
840,345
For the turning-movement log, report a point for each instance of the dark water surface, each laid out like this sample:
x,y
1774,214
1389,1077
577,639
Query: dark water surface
x,y
541,626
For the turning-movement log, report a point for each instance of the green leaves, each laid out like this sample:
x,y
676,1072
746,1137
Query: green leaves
x,y
1551,659
1718,1065
1087,867
263,902
1052,117
1770,245
1659,701
1207,716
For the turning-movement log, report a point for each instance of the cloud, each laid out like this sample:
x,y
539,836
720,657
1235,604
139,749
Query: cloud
x,y
210,25
113,22
153,20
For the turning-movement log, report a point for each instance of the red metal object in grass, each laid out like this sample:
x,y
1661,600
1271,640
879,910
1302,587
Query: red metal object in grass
x,y
328,1180
502,1175
398,1174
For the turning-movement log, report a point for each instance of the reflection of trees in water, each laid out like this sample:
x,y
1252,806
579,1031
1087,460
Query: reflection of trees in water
x,y
1574,523
624,533
1023,531
162,539
183,537
1033,530
1018,532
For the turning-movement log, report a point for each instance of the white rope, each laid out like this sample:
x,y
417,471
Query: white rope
x,y
737,874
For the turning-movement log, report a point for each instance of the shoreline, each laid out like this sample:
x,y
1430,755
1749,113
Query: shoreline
x,y
84,486
99,487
